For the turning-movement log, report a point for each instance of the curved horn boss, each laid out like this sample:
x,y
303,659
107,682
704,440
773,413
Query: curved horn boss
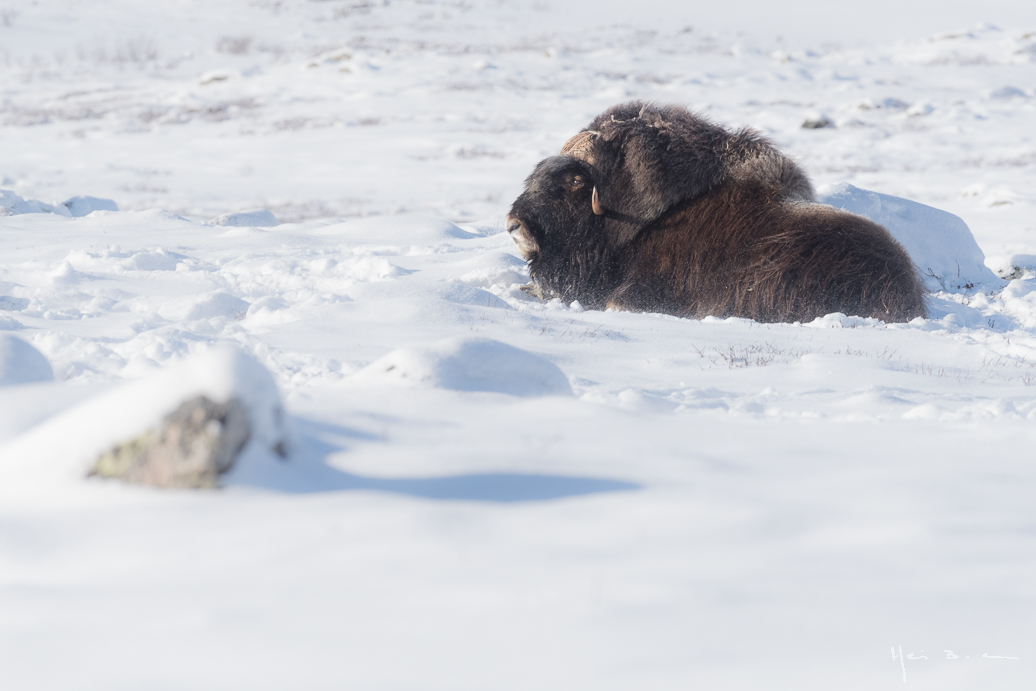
x,y
654,208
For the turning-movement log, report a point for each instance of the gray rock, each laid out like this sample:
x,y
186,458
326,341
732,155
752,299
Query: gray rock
x,y
817,122
197,443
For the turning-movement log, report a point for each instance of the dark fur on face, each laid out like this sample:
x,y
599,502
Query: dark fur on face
x,y
732,232
560,236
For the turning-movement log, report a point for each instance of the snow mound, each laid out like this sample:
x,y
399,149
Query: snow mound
x,y
152,260
469,364
217,305
82,206
69,442
20,363
11,204
254,218
839,320
940,243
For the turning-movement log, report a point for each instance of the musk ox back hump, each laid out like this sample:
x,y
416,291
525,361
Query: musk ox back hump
x,y
651,157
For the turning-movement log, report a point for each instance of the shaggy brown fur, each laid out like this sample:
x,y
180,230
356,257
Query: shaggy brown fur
x,y
741,241
736,251
651,157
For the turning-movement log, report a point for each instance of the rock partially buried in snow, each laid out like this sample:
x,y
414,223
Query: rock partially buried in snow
x,y
816,121
469,364
20,363
197,442
940,243
159,413
255,218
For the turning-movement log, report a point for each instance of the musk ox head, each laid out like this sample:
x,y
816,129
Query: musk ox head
x,y
635,165
557,231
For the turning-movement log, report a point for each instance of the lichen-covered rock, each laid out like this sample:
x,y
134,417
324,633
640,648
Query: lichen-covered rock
x,y
196,443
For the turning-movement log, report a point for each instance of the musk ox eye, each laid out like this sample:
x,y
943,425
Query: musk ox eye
x,y
576,181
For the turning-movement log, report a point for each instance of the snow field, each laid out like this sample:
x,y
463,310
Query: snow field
x,y
713,486
487,491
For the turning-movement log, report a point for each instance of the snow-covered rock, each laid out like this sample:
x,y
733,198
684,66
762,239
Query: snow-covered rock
x,y
20,363
940,243
254,218
68,443
469,364
196,443
82,206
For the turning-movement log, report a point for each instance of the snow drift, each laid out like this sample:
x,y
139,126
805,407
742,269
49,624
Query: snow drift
x,y
469,364
20,363
12,204
940,243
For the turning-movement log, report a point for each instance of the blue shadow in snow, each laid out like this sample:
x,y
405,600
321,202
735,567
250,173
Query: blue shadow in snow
x,y
307,472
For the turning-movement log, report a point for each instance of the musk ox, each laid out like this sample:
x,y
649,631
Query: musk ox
x,y
653,208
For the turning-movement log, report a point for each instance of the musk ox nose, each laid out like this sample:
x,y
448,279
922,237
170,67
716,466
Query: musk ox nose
x,y
519,232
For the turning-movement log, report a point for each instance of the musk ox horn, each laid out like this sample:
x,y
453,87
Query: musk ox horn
x,y
580,146
596,203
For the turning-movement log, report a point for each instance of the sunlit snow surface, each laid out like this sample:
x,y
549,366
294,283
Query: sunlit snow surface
x,y
713,504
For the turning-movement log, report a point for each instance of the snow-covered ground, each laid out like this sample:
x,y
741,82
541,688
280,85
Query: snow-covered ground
x,y
485,491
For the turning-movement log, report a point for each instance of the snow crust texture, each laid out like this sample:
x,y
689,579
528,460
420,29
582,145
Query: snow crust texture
x,y
64,448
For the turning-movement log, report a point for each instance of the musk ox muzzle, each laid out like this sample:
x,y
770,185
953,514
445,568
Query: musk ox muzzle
x,y
653,208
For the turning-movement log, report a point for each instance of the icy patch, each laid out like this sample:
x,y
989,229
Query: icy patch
x,y
83,206
69,442
255,218
20,363
940,243
469,364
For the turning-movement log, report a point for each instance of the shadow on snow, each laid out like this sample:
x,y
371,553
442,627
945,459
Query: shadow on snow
x,y
307,472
